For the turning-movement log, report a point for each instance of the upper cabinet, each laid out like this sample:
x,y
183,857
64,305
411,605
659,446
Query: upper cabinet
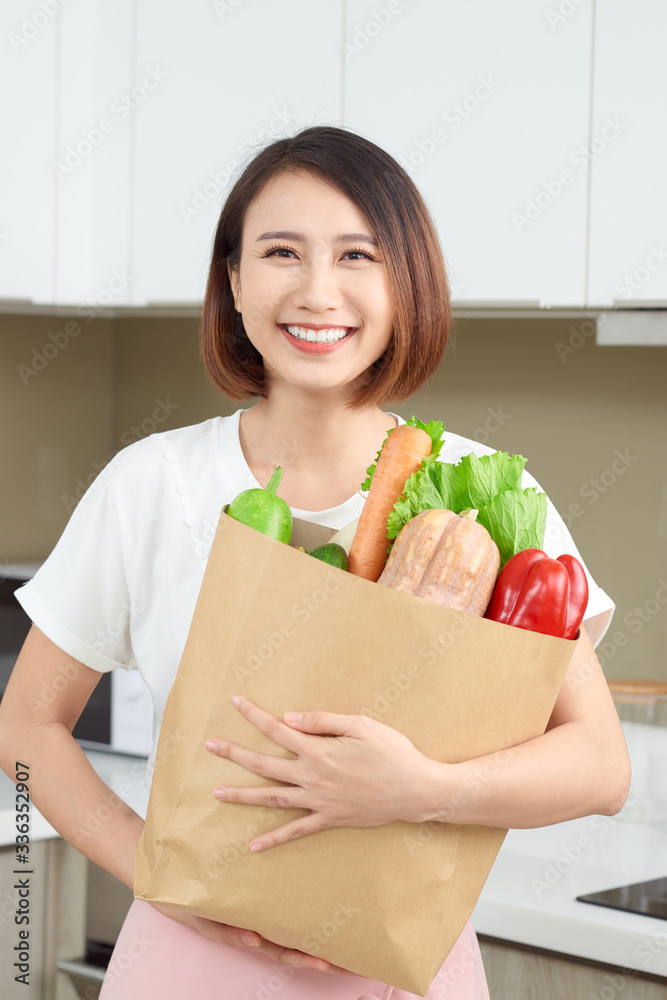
x,y
534,130
93,165
485,104
222,79
628,209
28,122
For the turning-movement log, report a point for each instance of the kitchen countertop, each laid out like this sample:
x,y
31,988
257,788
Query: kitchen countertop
x,y
529,896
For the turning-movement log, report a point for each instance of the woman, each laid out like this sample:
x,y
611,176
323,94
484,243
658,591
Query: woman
x,y
322,232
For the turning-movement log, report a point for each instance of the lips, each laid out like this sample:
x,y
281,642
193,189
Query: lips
x,y
314,346
316,334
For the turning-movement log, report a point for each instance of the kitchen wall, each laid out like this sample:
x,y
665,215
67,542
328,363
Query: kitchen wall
x,y
589,419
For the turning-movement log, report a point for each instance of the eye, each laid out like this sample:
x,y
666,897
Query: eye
x,y
273,251
360,254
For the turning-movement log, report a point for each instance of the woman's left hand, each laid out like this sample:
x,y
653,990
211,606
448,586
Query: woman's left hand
x,y
350,770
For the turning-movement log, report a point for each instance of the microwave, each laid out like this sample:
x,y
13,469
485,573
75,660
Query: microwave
x,y
118,716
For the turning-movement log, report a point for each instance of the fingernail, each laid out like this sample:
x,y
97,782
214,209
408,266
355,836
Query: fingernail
x,y
249,939
256,847
293,716
211,745
236,700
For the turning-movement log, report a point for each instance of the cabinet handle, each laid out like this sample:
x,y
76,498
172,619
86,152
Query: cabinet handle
x,y
78,969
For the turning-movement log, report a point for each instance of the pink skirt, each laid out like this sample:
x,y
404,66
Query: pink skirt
x,y
156,958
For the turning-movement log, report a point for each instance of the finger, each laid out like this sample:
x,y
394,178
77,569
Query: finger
x,y
268,724
276,768
290,831
293,958
285,796
303,960
326,723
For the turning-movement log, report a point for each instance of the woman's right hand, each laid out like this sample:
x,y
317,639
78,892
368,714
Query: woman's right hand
x,y
234,938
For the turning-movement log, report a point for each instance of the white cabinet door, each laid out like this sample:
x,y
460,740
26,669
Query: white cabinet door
x,y
27,125
628,214
92,162
486,106
221,79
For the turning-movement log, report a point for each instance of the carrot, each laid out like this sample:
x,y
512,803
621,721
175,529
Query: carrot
x,y
403,452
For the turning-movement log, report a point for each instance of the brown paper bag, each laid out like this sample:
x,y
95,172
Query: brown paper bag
x,y
293,633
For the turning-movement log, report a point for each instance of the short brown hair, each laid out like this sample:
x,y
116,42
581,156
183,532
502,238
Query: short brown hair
x,y
407,240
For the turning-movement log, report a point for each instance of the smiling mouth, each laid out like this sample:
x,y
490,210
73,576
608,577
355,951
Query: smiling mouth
x,y
330,335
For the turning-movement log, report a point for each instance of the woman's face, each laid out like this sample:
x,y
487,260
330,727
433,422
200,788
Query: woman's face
x,y
308,264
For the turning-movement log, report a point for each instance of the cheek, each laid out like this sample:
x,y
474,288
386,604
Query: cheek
x,y
264,294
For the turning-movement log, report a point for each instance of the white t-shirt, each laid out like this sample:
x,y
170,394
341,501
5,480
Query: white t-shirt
x,y
120,586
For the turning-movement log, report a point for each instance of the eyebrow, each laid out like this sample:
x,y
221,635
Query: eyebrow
x,y
283,234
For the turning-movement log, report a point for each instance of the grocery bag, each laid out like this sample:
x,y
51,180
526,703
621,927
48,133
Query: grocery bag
x,y
292,633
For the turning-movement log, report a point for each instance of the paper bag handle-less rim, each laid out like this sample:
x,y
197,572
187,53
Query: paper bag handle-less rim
x,y
293,633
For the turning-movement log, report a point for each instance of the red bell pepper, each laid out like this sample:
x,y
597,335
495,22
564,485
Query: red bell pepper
x,y
541,594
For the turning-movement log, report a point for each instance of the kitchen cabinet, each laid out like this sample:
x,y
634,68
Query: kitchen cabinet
x,y
96,104
486,106
533,129
225,85
28,127
515,973
628,212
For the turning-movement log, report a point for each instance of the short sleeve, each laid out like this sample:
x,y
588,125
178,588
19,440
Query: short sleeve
x,y
80,596
557,541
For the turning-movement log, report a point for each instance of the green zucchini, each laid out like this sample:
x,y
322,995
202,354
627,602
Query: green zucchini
x,y
331,553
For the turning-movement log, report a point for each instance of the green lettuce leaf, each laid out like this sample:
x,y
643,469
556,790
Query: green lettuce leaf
x,y
488,476
435,430
515,519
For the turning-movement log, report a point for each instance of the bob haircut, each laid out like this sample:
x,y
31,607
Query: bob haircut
x,y
408,243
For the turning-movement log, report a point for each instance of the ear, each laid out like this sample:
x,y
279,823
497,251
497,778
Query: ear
x,y
235,283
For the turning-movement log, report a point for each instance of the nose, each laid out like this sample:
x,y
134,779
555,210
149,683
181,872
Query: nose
x,y
318,288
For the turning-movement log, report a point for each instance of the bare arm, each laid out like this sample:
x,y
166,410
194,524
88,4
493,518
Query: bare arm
x,y
578,767
45,696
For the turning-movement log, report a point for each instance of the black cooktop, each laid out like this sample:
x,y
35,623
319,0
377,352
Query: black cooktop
x,y
648,898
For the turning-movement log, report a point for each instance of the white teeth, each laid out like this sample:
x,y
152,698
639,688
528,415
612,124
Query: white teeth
x,y
318,336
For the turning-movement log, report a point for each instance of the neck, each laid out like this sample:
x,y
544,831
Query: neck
x,y
312,437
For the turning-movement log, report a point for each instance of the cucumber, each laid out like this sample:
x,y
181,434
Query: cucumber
x,y
331,553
